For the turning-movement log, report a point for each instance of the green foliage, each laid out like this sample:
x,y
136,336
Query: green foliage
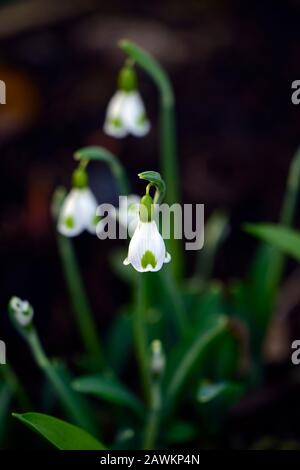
x,y
63,435
285,239
110,389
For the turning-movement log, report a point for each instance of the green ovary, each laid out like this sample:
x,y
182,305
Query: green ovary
x,y
148,258
69,221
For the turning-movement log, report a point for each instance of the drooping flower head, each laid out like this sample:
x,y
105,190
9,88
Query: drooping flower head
x,y
78,212
147,250
126,111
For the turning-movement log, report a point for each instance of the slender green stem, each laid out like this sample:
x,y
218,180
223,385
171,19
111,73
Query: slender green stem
x,y
102,155
81,307
292,191
10,377
83,315
140,335
215,230
168,139
175,299
277,258
188,361
65,393
154,417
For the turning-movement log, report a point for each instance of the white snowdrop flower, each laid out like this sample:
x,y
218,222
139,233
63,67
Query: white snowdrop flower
x,y
126,111
127,214
78,212
21,310
147,251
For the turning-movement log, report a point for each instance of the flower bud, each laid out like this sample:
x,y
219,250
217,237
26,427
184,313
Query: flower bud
x,y
157,360
21,310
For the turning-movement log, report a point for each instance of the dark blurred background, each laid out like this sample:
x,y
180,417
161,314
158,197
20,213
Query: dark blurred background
x,y
231,63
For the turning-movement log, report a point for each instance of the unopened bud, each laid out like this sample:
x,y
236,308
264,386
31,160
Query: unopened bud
x,y
158,361
21,310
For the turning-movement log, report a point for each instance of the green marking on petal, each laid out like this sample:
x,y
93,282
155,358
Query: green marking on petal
x,y
148,258
69,222
141,120
116,122
96,219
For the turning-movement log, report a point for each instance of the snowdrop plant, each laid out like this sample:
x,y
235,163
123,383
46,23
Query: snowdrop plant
x,y
78,212
173,333
126,111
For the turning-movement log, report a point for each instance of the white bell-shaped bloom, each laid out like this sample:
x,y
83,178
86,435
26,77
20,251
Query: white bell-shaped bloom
x,y
128,213
147,251
78,213
126,115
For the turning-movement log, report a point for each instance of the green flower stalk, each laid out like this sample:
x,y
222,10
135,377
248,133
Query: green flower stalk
x,y
80,303
126,111
21,314
168,138
157,368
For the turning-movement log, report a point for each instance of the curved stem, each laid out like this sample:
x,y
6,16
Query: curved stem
x,y
81,307
102,155
168,138
10,377
65,393
80,303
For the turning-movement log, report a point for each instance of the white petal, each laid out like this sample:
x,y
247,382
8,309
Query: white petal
x,y
70,221
168,258
114,122
146,245
87,207
128,213
134,115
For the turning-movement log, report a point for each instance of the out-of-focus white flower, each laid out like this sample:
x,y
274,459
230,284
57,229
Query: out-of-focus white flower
x,y
126,111
127,214
21,310
78,212
147,251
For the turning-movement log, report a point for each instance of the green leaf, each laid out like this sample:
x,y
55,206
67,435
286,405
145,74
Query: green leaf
x,y
209,391
108,388
283,238
119,339
155,178
186,361
216,229
63,435
181,431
